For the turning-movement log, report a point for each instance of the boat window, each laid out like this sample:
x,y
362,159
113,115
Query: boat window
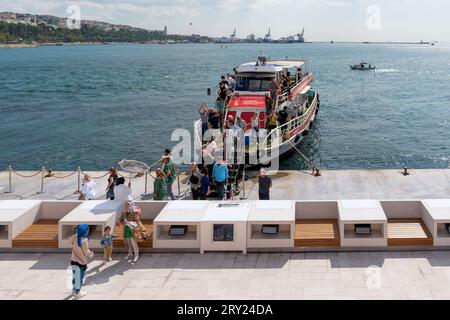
x,y
253,84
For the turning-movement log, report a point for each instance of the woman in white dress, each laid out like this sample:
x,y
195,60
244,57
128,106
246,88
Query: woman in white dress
x,y
89,188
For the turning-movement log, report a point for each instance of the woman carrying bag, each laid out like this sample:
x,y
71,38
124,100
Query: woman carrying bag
x,y
134,230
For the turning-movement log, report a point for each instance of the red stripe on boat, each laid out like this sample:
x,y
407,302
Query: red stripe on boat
x,y
248,101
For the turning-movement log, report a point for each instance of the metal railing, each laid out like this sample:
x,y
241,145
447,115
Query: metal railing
x,y
290,126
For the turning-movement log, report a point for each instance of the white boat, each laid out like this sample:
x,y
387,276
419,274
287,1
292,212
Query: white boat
x,y
252,88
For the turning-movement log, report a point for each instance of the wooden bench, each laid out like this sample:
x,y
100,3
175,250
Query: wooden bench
x,y
119,242
317,233
42,234
408,232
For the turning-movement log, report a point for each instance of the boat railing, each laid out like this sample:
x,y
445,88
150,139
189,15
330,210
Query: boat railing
x,y
284,97
289,126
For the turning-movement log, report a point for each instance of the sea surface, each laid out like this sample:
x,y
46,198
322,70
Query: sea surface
x,y
93,105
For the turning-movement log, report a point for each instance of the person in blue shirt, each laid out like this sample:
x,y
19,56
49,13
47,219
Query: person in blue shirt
x,y
220,177
205,184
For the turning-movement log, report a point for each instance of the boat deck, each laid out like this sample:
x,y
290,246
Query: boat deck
x,y
120,243
42,234
408,232
317,233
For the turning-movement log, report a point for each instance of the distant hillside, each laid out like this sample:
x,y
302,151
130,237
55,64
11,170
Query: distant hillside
x,y
27,28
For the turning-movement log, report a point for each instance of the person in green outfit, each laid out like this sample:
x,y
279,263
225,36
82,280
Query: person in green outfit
x,y
131,222
160,186
169,172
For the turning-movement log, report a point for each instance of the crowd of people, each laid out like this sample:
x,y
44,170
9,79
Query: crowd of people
x,y
213,175
133,231
213,119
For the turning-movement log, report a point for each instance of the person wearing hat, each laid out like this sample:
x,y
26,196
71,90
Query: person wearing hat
x,y
79,259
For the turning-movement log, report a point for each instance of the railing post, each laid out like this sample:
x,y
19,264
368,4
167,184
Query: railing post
x,y
146,178
78,191
10,180
243,185
179,188
42,181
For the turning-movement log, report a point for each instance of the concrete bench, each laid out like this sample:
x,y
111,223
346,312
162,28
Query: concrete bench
x,y
362,212
179,214
42,226
15,216
224,227
278,214
96,213
439,212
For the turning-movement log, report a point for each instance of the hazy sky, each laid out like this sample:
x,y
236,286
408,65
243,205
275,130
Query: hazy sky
x,y
324,20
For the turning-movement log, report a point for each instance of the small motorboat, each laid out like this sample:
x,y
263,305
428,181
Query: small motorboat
x,y
363,66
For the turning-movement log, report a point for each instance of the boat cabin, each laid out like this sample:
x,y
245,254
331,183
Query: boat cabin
x,y
256,76
252,87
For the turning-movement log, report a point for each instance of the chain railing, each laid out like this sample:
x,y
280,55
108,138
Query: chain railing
x,y
46,174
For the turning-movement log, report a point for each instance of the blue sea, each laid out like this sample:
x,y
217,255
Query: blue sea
x,y
93,105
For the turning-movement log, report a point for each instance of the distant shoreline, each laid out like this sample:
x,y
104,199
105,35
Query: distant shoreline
x,y
18,45
36,44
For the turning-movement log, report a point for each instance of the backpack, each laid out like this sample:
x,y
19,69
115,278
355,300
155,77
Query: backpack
x,y
194,180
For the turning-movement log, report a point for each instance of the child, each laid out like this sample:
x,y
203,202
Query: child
x,y
106,243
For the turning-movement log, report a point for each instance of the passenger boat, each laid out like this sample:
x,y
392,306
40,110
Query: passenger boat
x,y
249,98
363,66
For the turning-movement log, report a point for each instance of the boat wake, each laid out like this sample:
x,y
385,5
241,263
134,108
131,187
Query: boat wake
x,y
387,71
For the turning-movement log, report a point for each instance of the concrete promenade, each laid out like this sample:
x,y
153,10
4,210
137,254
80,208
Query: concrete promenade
x,y
356,275
321,275
287,185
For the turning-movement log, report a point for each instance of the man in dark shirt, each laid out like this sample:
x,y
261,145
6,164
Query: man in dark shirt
x,y
269,105
223,82
214,120
265,183
282,116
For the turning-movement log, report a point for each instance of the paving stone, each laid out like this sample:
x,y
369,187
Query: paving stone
x,y
408,275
